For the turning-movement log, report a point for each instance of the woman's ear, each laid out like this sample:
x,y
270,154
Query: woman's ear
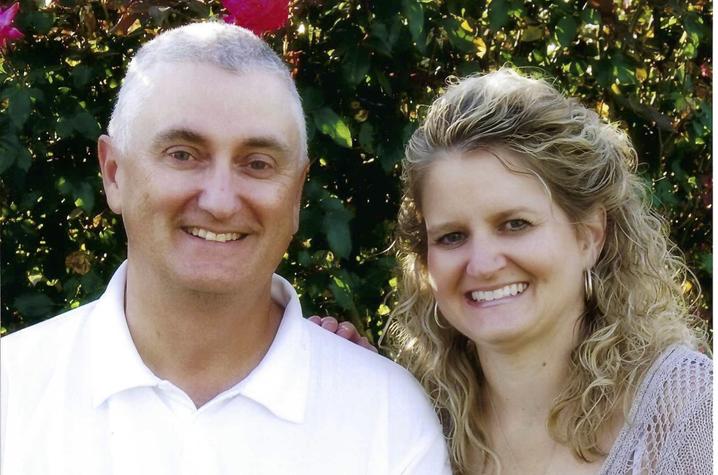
x,y
593,235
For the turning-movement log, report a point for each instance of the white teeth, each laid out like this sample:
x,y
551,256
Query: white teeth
x,y
489,295
210,236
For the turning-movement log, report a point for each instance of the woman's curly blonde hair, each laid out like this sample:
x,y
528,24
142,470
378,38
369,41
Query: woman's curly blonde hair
x,y
638,307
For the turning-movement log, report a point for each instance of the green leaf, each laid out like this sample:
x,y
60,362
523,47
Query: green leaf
x,y
329,123
355,66
366,137
64,127
87,125
335,226
498,14
532,33
34,304
81,75
23,160
303,258
311,99
383,81
384,37
624,74
38,21
389,157
458,37
414,13
338,235
19,106
7,158
694,27
566,30
342,294
706,261
85,197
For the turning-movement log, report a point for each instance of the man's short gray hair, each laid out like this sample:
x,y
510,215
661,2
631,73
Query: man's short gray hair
x,y
229,47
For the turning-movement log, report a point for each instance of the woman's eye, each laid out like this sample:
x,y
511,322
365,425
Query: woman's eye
x,y
181,155
450,239
513,225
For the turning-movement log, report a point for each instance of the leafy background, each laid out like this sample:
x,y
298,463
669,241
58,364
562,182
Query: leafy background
x,y
366,71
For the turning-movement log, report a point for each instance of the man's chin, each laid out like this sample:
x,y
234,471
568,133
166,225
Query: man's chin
x,y
212,284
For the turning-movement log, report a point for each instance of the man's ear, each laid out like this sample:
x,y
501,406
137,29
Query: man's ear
x,y
298,197
593,235
109,163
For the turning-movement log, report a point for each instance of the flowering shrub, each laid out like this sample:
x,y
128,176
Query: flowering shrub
x,y
260,16
8,32
365,70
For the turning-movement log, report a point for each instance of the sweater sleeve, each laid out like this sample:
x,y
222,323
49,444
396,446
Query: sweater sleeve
x,y
688,445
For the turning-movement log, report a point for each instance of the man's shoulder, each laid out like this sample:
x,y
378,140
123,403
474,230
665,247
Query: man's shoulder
x,y
45,337
344,361
369,391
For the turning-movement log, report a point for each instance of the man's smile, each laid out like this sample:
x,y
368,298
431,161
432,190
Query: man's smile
x,y
214,236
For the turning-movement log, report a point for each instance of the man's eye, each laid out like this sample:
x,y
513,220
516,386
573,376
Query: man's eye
x,y
514,225
258,165
450,239
181,155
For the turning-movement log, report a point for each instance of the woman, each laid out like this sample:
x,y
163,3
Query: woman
x,y
540,303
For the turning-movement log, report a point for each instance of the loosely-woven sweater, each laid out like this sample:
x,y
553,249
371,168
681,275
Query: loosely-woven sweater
x,y
669,428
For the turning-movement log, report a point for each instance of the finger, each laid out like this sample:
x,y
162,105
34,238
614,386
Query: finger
x,y
317,320
348,331
330,324
365,343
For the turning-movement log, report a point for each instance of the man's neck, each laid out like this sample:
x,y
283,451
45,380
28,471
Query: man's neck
x,y
203,344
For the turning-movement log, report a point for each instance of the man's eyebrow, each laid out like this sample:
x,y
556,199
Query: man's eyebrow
x,y
268,142
183,135
186,135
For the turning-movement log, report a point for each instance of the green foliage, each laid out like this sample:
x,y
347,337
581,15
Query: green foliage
x,y
366,71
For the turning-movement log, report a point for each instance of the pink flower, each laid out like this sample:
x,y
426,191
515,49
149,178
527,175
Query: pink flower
x,y
8,32
257,15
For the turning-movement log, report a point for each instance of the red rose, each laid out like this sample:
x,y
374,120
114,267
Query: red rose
x,y
258,16
8,32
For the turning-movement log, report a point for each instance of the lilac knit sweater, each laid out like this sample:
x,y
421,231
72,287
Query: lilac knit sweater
x,y
670,429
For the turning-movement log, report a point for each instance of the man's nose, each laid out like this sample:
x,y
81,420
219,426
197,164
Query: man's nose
x,y
219,193
486,258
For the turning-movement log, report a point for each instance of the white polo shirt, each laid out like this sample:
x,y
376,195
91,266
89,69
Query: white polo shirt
x,y
77,399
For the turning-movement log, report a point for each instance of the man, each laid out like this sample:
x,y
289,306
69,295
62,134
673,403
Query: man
x,y
197,360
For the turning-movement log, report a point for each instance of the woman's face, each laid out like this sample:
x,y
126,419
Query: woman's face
x,y
505,263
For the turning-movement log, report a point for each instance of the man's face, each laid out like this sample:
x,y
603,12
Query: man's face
x,y
210,182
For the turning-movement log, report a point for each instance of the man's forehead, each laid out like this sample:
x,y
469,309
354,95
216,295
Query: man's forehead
x,y
256,104
159,72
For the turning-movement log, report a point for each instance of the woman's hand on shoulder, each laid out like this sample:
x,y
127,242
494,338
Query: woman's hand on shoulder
x,y
344,329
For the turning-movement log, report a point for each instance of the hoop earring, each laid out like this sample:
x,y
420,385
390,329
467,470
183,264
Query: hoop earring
x,y
588,285
436,317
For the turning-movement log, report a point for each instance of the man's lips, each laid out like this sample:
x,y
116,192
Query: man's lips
x,y
216,236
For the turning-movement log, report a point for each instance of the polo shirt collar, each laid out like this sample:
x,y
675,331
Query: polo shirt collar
x,y
280,382
116,365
